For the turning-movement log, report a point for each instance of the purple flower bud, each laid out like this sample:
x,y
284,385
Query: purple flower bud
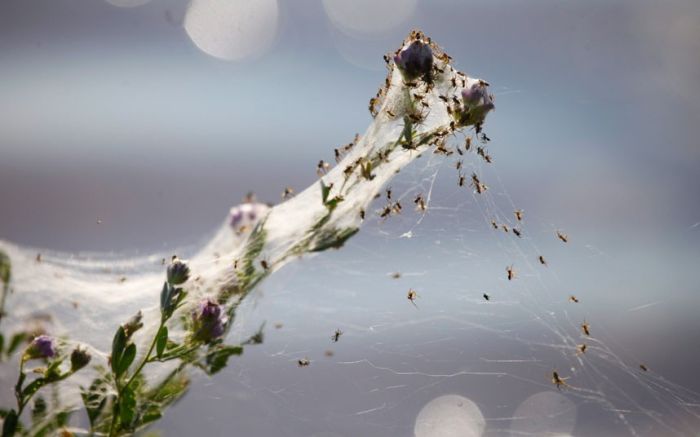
x,y
79,358
178,271
477,103
477,95
42,346
208,322
415,60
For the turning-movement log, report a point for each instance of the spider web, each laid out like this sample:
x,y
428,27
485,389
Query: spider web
x,y
453,363
448,363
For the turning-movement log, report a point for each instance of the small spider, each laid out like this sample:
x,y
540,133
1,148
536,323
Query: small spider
x,y
563,237
303,362
558,381
336,335
511,272
322,168
288,192
412,295
586,328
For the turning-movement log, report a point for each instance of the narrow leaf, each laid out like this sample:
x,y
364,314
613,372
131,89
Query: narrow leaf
x,y
164,297
118,348
94,399
161,341
126,359
15,342
33,387
9,426
127,407
217,359
325,191
5,269
39,409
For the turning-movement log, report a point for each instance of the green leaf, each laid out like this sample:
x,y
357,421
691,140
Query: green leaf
x,y
15,342
118,344
127,408
170,389
254,246
95,399
126,359
181,295
9,426
216,359
5,269
52,372
333,239
152,414
366,170
333,203
62,419
39,409
33,387
50,425
258,337
161,341
165,296
325,191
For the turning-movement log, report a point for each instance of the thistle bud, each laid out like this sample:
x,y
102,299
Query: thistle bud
x,y
178,271
415,60
208,321
42,346
79,358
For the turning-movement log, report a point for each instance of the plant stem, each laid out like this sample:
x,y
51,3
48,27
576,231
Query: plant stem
x,y
174,355
145,360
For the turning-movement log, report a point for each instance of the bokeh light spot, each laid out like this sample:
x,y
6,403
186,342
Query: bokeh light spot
x,y
232,29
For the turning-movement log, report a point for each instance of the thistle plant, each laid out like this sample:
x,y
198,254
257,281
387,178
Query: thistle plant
x,y
422,103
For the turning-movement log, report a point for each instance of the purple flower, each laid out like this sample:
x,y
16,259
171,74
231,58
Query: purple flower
x,y
208,321
246,214
42,346
415,60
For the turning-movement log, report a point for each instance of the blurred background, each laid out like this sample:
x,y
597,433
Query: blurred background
x,y
154,117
